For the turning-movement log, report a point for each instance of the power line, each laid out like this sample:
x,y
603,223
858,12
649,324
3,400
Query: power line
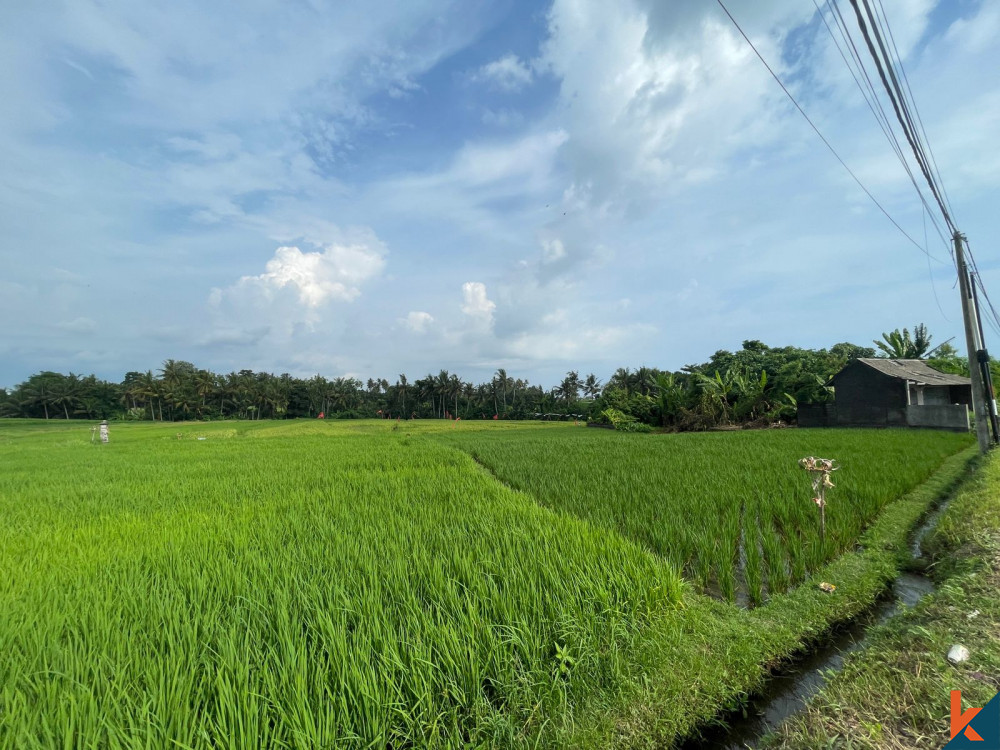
x,y
875,103
896,99
978,280
930,271
909,129
879,115
917,138
821,136
916,110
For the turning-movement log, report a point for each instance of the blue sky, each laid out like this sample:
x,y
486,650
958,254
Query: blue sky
x,y
382,188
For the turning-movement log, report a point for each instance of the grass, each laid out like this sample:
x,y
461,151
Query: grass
x,y
712,656
730,510
310,590
894,694
350,585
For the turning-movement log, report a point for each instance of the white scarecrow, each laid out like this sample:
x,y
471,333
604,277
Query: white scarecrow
x,y
104,431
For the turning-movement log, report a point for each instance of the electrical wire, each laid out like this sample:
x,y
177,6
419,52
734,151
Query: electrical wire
x,y
878,111
909,128
916,110
821,136
978,280
930,271
895,98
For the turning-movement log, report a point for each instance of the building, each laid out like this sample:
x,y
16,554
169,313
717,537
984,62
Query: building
x,y
882,392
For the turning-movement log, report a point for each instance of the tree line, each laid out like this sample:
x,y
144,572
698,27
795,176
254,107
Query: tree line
x,y
757,384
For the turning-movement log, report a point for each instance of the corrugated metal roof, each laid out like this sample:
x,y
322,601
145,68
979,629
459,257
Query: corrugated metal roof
x,y
913,369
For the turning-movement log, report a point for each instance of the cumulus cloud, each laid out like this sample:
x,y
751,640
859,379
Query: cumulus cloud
x,y
295,295
475,302
335,273
644,106
418,322
508,73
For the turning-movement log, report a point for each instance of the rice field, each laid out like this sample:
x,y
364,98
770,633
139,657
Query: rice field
x,y
731,510
309,585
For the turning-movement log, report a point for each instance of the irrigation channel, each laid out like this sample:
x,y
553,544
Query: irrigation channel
x,y
787,691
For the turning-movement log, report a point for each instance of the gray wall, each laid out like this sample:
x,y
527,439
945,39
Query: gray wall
x,y
942,417
817,415
947,417
859,387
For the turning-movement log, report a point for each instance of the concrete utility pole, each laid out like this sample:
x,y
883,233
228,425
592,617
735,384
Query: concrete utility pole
x,y
984,368
973,344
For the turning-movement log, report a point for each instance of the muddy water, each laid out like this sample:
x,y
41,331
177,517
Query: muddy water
x,y
787,692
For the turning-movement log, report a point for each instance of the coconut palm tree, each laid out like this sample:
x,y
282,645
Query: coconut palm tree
x,y
205,385
503,382
569,389
149,389
592,386
623,379
66,392
442,386
39,390
427,387
401,388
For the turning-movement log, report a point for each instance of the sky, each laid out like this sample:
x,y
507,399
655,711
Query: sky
x,y
368,189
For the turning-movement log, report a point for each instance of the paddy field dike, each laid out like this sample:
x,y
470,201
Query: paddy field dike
x,y
310,584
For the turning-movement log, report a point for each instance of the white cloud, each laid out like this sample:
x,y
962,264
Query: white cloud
x,y
417,321
234,337
645,105
475,302
335,273
649,132
977,33
553,250
528,159
508,73
294,297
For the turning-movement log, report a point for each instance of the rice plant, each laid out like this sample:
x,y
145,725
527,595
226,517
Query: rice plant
x,y
290,586
306,585
690,498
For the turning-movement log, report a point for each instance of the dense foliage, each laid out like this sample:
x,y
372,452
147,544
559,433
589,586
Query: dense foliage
x,y
757,384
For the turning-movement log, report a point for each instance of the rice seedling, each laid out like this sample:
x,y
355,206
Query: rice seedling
x,y
285,588
689,498
309,584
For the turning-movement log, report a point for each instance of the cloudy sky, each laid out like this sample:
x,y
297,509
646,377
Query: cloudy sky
x,y
384,187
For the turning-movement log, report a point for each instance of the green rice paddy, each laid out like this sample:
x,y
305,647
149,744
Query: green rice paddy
x,y
731,510
308,584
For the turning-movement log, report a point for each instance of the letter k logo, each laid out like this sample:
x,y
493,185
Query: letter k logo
x,y
960,721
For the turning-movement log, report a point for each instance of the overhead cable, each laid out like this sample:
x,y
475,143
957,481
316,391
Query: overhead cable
x,y
822,137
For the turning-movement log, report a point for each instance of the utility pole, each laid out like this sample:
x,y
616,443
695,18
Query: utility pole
x,y
984,368
973,345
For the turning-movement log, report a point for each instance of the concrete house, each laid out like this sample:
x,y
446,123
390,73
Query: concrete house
x,y
882,392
